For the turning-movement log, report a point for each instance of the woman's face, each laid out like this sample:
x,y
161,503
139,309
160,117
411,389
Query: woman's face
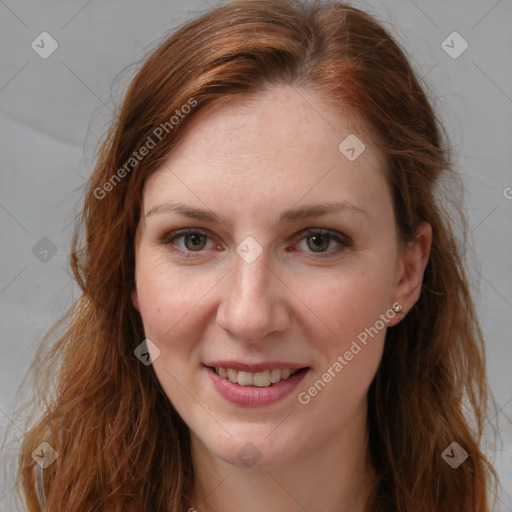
x,y
268,278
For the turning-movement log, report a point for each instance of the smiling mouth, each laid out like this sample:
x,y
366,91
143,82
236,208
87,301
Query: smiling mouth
x,y
263,379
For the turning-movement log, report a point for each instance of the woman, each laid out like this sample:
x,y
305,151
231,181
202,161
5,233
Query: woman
x,y
273,300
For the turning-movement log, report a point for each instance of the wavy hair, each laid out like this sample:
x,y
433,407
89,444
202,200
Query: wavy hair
x,y
106,414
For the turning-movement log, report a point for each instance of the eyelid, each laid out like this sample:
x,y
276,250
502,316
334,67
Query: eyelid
x,y
343,240
340,238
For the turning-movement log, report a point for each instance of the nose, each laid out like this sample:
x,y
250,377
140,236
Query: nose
x,y
254,301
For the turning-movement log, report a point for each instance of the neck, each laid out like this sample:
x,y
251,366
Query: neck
x,y
335,475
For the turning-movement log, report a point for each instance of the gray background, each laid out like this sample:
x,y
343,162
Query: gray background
x,y
55,110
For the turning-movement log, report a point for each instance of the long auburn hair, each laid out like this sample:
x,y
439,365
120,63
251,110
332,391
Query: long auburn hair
x,y
121,444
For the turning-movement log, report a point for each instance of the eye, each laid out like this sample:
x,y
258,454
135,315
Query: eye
x,y
194,240
319,240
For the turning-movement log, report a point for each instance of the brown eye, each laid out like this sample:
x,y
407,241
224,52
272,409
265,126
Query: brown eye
x,y
320,242
186,241
194,241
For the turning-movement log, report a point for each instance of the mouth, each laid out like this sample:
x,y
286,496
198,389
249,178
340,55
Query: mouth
x,y
258,388
261,379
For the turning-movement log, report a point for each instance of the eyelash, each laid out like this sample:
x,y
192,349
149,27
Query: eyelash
x,y
344,241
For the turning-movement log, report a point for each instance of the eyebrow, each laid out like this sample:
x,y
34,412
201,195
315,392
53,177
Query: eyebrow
x,y
288,216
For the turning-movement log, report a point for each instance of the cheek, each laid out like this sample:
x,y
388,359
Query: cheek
x,y
169,298
161,298
351,307
350,301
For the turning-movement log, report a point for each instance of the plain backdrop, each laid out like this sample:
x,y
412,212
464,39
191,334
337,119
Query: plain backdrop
x,y
55,109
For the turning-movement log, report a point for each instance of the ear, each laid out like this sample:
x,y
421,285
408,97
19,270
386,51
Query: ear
x,y
135,299
411,268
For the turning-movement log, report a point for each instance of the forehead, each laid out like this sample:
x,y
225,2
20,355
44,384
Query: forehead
x,y
271,148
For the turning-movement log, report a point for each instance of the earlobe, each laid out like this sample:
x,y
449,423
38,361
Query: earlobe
x,y
414,262
135,299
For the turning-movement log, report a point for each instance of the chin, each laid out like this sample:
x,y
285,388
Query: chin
x,y
252,448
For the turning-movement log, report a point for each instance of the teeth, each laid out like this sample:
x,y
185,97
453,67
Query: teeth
x,y
275,376
259,379
245,378
262,379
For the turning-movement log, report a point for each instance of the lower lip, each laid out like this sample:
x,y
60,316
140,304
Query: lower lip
x,y
249,396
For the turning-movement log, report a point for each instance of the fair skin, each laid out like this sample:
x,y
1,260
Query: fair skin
x,y
246,161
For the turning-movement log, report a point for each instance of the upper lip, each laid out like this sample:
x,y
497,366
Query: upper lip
x,y
255,367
